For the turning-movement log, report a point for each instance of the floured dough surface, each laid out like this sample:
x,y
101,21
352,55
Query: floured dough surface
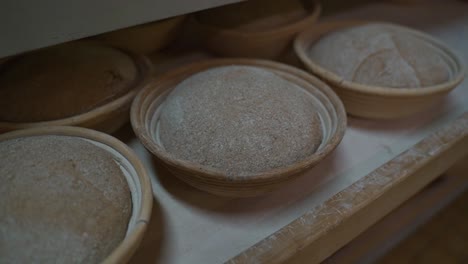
x,y
381,55
63,81
63,200
255,15
240,120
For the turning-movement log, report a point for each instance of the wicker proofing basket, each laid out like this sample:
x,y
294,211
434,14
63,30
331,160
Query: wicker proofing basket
x,y
137,178
146,38
106,118
372,101
268,44
145,116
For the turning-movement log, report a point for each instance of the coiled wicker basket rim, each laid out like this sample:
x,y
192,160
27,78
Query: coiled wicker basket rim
x,y
142,196
314,13
305,39
97,114
147,101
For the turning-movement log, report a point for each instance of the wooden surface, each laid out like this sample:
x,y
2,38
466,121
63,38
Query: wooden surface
x,y
27,25
189,226
393,228
350,212
442,239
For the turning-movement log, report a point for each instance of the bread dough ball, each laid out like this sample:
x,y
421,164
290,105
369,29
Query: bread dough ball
x,y
63,200
240,120
381,55
63,81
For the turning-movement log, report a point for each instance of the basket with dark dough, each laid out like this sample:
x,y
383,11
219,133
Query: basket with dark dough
x,y
80,83
255,28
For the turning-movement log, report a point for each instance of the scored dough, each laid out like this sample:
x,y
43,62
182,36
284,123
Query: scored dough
x,y
382,55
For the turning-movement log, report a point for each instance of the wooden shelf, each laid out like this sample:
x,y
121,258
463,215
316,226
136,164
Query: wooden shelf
x,y
398,225
377,167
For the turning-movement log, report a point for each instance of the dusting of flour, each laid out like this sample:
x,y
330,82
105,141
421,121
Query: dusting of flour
x,y
63,200
381,55
240,120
